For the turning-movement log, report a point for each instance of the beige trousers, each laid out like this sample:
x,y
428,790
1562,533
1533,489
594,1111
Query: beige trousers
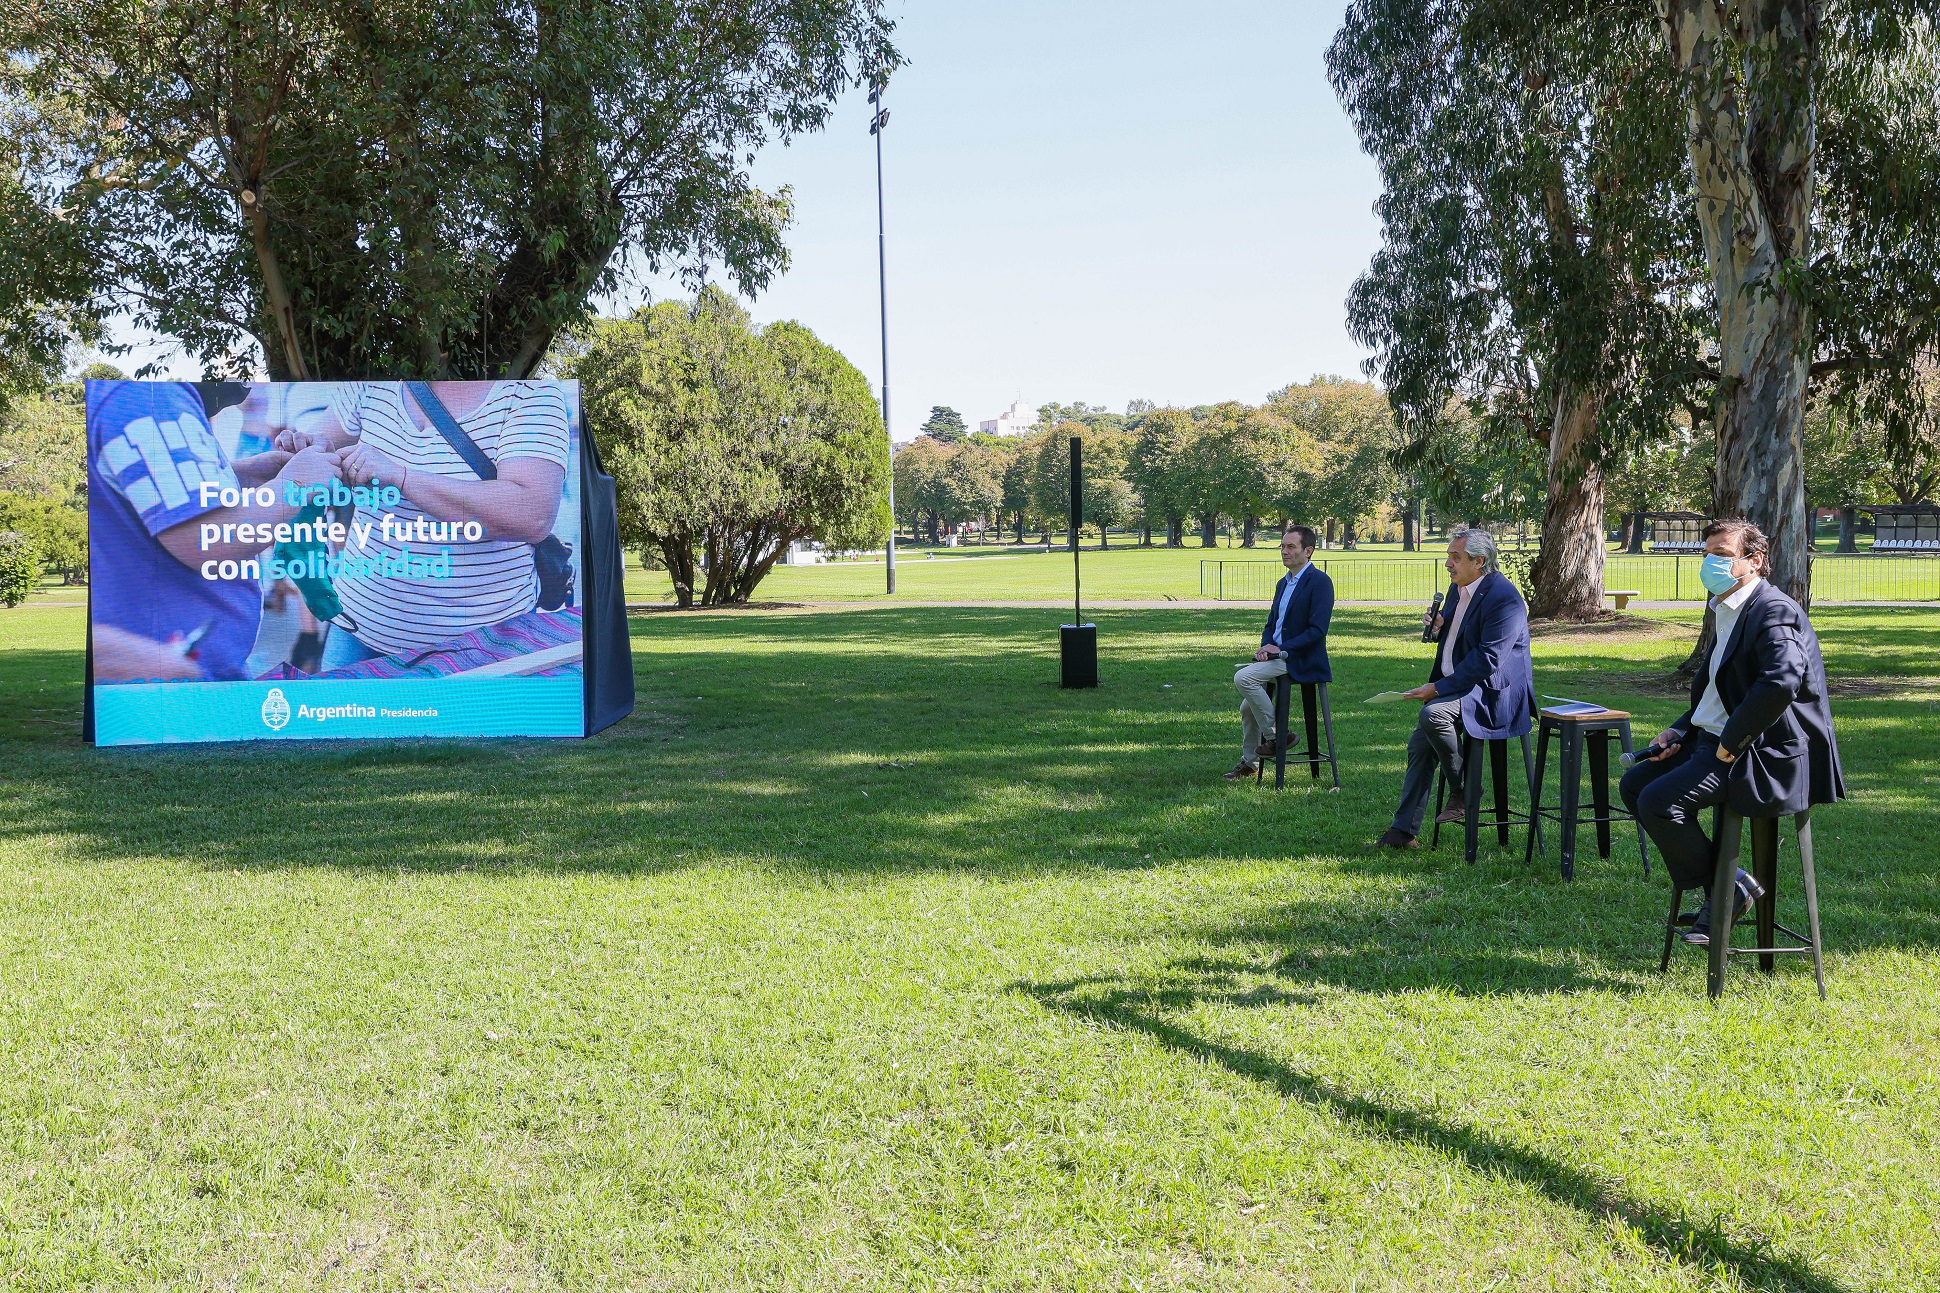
x,y
1255,709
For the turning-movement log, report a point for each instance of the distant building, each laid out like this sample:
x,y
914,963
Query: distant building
x,y
1015,420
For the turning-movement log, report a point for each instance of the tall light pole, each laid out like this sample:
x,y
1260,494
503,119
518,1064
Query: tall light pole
x,y
876,126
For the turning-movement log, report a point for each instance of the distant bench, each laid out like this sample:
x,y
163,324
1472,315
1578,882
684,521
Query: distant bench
x,y
1623,595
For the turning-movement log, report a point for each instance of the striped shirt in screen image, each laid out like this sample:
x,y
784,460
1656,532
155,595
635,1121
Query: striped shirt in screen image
x,y
491,580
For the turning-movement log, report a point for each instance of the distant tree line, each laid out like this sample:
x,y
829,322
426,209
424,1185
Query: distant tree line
x,y
1319,453
1330,453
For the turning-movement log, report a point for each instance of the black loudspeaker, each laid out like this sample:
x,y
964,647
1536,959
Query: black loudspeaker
x,y
1078,655
1078,642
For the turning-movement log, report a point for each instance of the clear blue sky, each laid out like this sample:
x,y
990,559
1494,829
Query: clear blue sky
x,y
1087,201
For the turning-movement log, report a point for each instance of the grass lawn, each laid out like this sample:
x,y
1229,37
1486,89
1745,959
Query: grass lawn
x,y
864,957
1128,573
1123,572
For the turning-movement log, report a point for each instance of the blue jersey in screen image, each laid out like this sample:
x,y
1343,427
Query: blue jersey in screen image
x,y
149,451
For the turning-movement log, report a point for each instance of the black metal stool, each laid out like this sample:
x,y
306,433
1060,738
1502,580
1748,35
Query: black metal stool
x,y
1578,731
1727,831
1311,756
1472,791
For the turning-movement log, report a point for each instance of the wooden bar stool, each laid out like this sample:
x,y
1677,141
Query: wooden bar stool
x,y
1472,791
1282,689
1578,733
1727,830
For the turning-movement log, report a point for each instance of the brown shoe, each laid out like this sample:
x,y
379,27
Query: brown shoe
x,y
1242,771
1264,749
1452,816
1395,838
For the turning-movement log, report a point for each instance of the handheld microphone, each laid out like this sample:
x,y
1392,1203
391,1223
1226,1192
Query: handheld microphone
x,y
1428,628
1633,758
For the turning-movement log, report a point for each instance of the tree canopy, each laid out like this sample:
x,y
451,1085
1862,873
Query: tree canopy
x,y
369,188
729,442
1534,281
945,424
1615,221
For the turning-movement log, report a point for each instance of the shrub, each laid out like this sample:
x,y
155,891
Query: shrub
x,y
19,567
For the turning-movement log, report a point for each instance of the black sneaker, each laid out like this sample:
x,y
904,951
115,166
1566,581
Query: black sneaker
x,y
1748,892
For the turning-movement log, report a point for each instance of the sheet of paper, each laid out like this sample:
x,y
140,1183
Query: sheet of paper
x,y
1568,707
1386,698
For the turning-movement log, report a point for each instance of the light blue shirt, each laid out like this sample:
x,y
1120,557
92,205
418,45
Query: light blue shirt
x,y
1286,600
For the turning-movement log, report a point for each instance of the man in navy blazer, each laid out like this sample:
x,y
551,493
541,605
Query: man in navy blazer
x,y
1293,645
1481,684
1758,735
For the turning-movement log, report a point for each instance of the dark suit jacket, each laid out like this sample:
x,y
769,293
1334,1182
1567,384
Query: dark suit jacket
x,y
1303,637
1491,658
1771,678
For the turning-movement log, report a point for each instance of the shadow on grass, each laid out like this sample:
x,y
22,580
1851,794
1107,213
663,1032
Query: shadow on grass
x,y
890,741
1704,1247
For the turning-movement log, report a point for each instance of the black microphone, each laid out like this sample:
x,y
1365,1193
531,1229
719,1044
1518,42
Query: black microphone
x,y
1631,759
1428,628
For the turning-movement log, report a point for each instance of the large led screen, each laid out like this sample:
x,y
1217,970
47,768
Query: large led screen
x,y
334,560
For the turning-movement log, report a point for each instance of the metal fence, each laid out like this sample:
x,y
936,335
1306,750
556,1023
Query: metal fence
x,y
1862,578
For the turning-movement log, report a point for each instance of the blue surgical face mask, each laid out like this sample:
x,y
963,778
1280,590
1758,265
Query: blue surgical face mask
x,y
1715,574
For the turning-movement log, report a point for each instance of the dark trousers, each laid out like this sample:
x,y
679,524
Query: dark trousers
x,y
1435,743
1670,799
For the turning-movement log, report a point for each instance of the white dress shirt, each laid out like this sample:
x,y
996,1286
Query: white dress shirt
x,y
1286,600
1711,714
1464,594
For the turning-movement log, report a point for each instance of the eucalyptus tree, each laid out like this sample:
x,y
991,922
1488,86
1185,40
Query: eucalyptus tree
x,y
1538,270
380,188
1814,142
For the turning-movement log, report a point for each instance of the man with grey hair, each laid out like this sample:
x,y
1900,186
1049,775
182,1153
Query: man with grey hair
x,y
1481,684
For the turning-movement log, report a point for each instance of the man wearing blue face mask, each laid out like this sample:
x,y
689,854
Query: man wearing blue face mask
x,y
1758,734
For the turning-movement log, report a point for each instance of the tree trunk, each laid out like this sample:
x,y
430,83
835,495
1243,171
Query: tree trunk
x,y
287,362
1848,529
1639,530
1688,670
1249,532
1350,536
1568,570
677,554
1175,531
1410,540
1208,525
1144,534
1020,525
1749,76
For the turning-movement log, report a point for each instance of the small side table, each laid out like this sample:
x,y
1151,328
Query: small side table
x,y
1578,731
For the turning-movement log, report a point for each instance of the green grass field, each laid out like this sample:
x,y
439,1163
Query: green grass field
x,y
996,573
862,956
1129,573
